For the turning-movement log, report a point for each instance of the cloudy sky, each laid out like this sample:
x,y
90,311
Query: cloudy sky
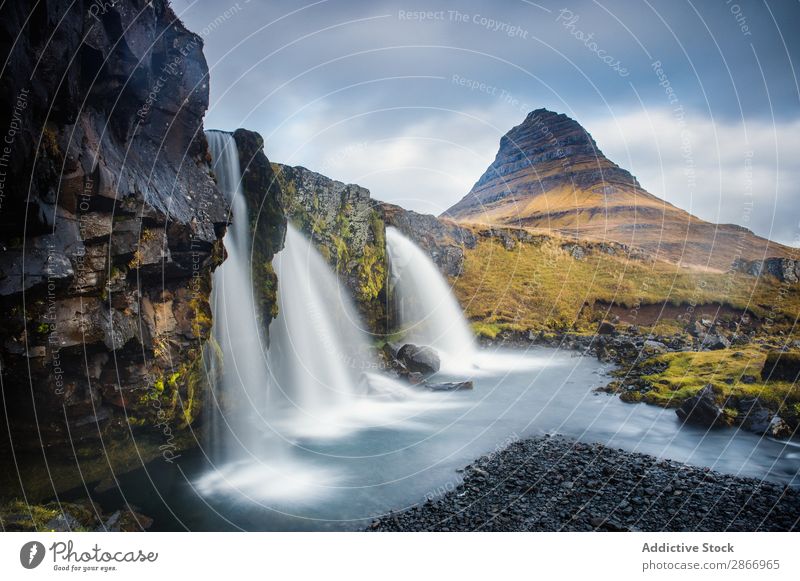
x,y
410,99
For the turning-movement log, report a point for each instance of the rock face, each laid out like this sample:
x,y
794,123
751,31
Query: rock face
x,y
550,174
784,269
419,359
109,204
265,203
781,365
443,240
345,225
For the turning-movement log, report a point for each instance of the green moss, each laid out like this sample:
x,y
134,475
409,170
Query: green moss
x,y
540,286
686,372
488,330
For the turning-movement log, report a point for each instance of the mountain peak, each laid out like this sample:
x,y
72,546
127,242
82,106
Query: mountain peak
x,y
550,174
547,150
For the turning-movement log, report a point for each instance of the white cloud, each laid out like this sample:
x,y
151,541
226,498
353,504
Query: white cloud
x,y
427,160
744,173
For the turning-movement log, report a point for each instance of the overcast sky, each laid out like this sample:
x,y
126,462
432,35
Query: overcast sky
x,y
413,108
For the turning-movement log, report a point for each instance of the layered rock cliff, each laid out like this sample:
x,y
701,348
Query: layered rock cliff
x,y
265,203
550,174
110,227
345,224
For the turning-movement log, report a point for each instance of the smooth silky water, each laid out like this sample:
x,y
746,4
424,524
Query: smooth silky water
x,y
395,466
321,439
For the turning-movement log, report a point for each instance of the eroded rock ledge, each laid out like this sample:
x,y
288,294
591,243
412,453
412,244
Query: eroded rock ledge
x,y
111,226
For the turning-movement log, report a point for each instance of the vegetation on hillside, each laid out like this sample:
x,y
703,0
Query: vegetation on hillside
x,y
542,286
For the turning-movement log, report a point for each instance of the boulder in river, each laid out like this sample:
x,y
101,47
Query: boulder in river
x,y
755,416
702,409
449,386
419,358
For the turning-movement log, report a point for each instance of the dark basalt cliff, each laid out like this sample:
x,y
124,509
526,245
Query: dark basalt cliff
x,y
549,174
265,203
345,224
110,228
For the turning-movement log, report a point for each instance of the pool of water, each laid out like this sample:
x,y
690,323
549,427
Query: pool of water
x,y
396,450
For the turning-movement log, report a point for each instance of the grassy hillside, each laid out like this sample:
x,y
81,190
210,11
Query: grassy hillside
x,y
541,285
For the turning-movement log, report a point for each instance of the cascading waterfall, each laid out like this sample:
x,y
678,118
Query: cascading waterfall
x,y
428,312
317,379
245,377
317,350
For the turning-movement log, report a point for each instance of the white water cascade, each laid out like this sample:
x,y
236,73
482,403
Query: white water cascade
x,y
317,380
428,312
236,329
318,352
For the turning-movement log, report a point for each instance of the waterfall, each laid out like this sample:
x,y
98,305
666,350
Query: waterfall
x,y
316,380
428,312
236,321
318,352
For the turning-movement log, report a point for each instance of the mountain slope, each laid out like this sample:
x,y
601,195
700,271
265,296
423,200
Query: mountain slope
x,y
550,174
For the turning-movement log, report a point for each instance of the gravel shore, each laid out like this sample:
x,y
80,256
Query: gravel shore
x,y
557,484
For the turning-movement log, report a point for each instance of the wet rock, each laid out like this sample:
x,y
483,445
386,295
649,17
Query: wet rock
x,y
538,484
449,385
702,409
421,359
755,416
778,428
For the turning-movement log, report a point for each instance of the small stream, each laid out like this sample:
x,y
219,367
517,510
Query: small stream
x,y
412,451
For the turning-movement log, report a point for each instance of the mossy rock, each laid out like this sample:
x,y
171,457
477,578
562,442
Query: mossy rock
x,y
781,366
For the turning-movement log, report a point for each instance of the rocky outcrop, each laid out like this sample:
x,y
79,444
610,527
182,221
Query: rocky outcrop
x,y
784,269
443,240
550,174
110,228
419,359
781,366
702,409
265,203
346,226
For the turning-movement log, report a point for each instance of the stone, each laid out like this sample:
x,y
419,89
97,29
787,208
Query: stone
x,y
606,328
714,342
702,409
449,386
421,359
781,366
755,417
654,347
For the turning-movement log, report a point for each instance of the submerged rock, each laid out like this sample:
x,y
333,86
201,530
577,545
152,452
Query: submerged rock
x,y
420,359
449,386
